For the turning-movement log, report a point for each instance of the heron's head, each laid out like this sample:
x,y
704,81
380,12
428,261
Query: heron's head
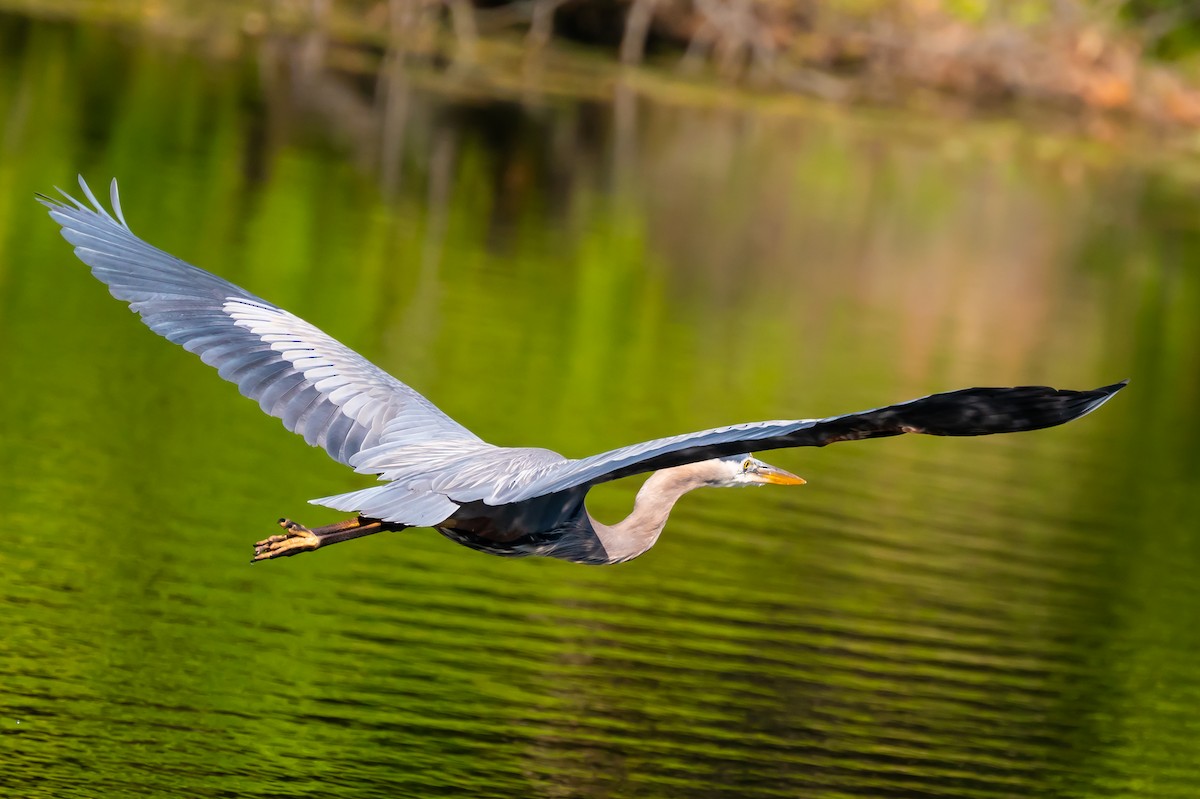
x,y
746,470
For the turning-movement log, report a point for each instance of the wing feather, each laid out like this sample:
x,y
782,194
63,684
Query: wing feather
x,y
967,412
321,389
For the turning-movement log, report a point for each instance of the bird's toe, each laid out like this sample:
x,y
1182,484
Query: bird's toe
x,y
298,539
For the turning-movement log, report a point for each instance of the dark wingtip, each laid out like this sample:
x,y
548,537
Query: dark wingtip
x,y
984,411
1037,407
1105,394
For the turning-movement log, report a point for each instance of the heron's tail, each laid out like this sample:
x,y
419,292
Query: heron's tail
x,y
394,503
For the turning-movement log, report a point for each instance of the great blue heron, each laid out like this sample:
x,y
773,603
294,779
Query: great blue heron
x,y
512,501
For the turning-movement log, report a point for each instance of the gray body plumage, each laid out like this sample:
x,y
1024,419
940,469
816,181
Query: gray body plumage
x,y
508,501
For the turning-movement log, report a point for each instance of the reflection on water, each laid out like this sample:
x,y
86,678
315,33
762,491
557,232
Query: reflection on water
x,y
970,618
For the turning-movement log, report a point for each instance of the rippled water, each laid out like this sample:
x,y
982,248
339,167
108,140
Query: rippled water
x,y
1004,617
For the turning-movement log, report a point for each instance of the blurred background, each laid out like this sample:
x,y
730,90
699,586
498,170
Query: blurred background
x,y
578,224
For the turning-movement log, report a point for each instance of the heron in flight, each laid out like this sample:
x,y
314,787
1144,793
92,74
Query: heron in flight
x,y
510,501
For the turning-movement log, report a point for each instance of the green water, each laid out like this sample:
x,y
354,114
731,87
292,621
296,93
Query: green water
x,y
1014,616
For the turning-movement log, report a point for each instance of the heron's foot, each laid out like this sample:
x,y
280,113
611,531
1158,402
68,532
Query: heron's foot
x,y
297,539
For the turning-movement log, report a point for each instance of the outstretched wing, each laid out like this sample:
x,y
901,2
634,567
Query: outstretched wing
x,y
320,388
968,412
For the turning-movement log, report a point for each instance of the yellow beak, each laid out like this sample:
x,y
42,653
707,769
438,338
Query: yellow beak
x,y
767,473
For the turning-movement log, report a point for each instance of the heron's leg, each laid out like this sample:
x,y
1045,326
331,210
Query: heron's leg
x,y
299,538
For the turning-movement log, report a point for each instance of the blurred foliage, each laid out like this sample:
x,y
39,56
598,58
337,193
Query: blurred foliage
x,y
1175,25
1095,60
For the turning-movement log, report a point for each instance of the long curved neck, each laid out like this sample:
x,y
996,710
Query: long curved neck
x,y
639,531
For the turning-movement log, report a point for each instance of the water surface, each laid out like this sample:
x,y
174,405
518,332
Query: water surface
x,y
1003,617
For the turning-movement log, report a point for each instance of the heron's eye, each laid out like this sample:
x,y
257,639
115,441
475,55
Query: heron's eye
x,y
747,464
